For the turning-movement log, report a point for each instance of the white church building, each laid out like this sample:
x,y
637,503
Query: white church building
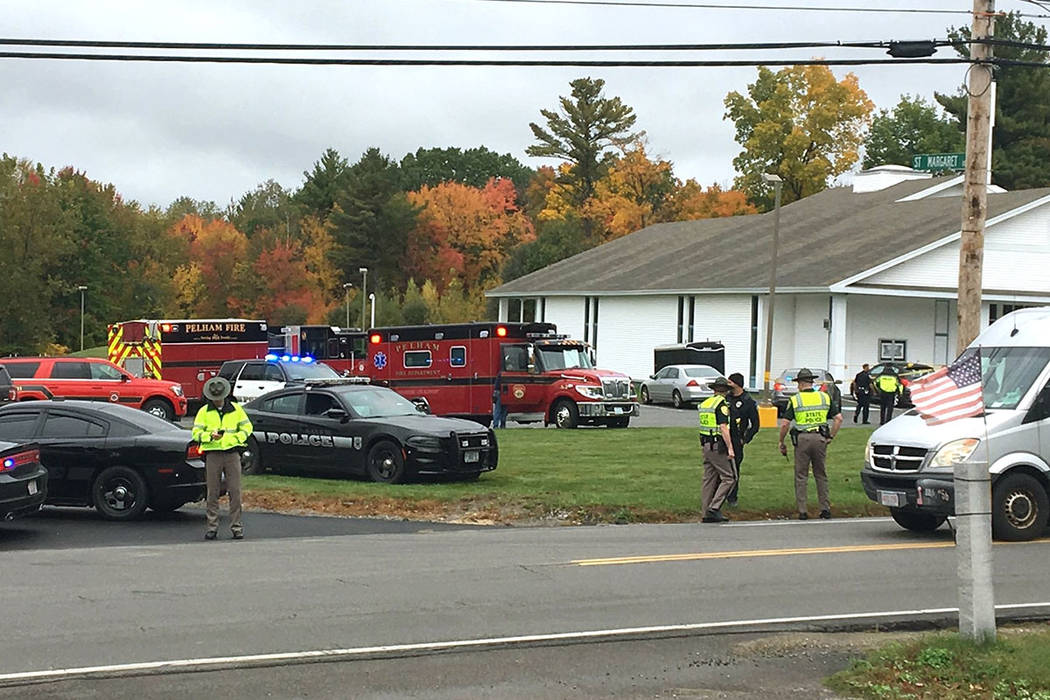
x,y
865,273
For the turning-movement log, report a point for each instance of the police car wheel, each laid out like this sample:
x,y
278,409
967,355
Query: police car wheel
x,y
120,493
159,408
1019,508
251,460
386,463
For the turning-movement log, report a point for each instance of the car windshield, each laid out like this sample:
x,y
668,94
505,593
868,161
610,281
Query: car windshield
x,y
309,371
701,372
571,357
1008,373
377,402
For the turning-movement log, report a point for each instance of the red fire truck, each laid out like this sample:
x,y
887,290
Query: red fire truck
x,y
543,376
342,349
187,351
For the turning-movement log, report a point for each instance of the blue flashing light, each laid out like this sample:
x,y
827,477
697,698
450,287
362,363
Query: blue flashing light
x,y
295,358
271,357
307,360
9,463
285,358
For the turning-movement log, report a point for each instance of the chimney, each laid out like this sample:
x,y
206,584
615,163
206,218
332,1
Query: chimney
x,y
883,176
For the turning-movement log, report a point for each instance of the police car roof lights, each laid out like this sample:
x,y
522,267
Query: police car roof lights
x,y
304,359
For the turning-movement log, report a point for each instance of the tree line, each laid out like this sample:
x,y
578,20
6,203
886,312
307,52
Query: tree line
x,y
440,226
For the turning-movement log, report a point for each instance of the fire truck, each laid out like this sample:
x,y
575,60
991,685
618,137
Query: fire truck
x,y
543,376
342,349
187,351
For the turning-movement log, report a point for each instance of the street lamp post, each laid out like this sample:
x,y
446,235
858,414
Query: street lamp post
x,y
372,299
778,184
347,287
81,288
364,290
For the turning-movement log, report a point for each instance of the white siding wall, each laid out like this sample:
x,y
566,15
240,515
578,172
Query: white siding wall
x,y
630,327
1016,258
567,314
725,318
783,336
811,338
873,318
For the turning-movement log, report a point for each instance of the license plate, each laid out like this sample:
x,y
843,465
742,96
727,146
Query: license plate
x,y
32,488
617,410
891,498
471,456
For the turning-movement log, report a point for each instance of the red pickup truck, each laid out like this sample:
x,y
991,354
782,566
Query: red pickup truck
x,y
93,379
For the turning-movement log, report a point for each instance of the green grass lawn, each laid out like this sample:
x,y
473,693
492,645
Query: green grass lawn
x,y
640,474
944,667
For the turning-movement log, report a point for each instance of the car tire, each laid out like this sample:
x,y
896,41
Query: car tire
x,y
645,395
159,408
251,459
386,463
1019,508
917,521
565,415
676,399
119,493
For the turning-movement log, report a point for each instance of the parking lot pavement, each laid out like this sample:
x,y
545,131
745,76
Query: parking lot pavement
x,y
74,528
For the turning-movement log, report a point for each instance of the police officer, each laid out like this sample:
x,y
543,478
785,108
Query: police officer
x,y
222,429
810,410
888,386
716,441
744,412
862,393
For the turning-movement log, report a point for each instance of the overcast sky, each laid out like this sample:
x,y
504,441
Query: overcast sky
x,y
160,131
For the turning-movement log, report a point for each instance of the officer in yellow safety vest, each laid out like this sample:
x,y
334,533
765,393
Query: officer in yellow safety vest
x,y
716,441
810,410
888,386
222,429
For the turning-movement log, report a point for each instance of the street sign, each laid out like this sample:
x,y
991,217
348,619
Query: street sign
x,y
939,161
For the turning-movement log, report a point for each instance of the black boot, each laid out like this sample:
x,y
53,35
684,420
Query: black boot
x,y
714,516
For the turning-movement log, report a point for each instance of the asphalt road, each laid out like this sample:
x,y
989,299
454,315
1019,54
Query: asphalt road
x,y
442,590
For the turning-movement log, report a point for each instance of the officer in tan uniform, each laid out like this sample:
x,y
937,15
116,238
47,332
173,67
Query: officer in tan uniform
x,y
717,444
810,410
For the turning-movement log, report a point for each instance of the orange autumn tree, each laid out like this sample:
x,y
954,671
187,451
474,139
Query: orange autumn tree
x,y
691,201
634,194
288,294
207,282
466,232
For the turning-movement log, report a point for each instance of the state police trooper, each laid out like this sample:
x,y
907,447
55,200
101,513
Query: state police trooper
x,y
888,386
222,428
810,410
716,441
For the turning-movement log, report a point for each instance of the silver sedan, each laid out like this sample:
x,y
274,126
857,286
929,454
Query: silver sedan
x,y
679,385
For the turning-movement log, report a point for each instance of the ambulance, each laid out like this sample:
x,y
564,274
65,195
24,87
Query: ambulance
x,y
543,376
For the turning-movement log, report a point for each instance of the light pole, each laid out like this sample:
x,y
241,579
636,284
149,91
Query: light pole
x,y
364,289
81,288
778,184
372,299
347,287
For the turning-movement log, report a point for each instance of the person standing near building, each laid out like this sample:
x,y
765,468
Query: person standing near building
x,y
888,386
744,412
716,441
862,393
810,410
222,429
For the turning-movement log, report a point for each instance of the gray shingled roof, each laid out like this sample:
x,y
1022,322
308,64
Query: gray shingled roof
x,y
824,239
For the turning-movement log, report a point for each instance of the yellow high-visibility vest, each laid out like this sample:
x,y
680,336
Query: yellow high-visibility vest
x,y
709,417
888,383
234,425
811,410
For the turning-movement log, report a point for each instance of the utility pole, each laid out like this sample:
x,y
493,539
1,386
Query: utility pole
x,y
81,288
977,177
973,488
778,184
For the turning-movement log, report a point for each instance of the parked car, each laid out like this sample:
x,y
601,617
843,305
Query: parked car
x,y
112,457
8,392
354,429
23,480
907,372
784,386
253,378
93,379
679,385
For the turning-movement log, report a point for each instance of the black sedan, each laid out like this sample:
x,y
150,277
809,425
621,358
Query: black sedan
x,y
115,458
23,481
353,429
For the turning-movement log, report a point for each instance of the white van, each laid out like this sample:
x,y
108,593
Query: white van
x,y
908,464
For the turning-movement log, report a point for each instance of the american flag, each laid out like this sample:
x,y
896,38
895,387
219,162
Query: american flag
x,y
951,392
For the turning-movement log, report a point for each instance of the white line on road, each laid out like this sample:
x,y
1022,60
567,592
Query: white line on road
x,y
395,650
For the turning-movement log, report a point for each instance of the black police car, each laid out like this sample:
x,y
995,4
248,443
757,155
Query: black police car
x,y
23,481
354,429
116,458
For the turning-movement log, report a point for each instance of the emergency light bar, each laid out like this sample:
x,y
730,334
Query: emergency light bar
x,y
305,359
331,381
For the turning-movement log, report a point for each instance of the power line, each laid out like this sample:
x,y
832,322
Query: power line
x,y
157,58
183,45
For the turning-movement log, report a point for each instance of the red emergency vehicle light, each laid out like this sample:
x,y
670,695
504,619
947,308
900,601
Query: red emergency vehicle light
x,y
375,338
501,331
165,327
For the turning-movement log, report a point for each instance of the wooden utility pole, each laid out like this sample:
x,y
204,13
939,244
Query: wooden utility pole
x,y
977,177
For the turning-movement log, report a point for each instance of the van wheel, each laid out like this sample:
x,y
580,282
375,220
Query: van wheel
x,y
676,399
386,463
565,414
645,395
119,493
1019,508
159,408
251,460
917,521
